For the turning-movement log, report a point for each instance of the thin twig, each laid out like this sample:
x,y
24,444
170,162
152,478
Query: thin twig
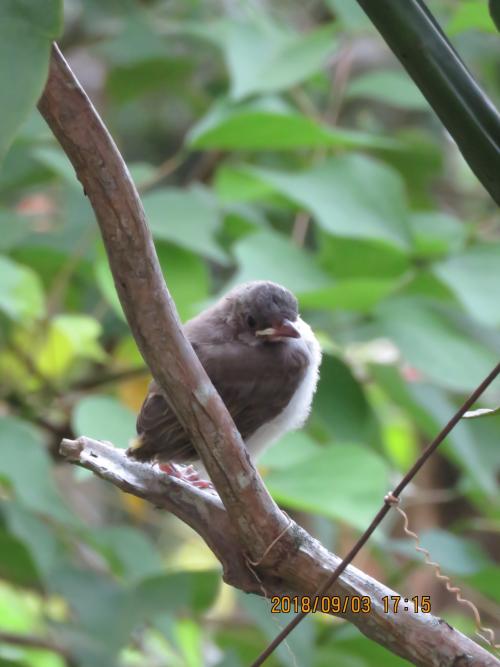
x,y
388,502
486,634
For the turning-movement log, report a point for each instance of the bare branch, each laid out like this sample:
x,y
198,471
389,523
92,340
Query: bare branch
x,y
204,512
421,638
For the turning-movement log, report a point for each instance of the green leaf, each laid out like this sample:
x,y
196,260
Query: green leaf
x,y
129,552
189,218
454,554
472,15
173,592
104,418
352,649
187,277
293,448
27,30
189,639
329,484
185,273
487,582
137,41
25,466
431,409
100,609
36,536
260,126
348,259
350,15
69,338
300,644
15,229
267,255
16,564
340,405
473,276
433,345
494,7
131,80
236,184
356,294
21,293
462,444
351,196
264,57
56,160
393,87
435,233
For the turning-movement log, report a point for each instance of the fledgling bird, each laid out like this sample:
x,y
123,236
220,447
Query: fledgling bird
x,y
262,358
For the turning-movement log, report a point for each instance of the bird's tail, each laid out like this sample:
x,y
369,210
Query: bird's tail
x,y
138,449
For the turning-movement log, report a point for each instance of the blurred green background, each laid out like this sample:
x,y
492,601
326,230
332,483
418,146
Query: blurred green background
x,y
268,140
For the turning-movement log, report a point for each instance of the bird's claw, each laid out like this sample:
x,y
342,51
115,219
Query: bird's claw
x,y
187,473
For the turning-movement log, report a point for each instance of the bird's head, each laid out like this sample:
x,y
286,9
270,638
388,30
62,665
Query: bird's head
x,y
263,311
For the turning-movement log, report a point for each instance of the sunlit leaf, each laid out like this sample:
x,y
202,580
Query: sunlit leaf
x,y
21,294
260,126
472,15
69,338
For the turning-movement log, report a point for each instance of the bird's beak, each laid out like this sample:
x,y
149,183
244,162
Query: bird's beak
x,y
283,329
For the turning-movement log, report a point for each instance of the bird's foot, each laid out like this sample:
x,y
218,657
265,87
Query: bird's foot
x,y
187,473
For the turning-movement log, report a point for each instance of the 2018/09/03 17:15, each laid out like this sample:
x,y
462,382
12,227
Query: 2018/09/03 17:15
x,y
356,604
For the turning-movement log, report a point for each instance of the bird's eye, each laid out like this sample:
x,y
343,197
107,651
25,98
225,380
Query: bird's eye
x,y
251,321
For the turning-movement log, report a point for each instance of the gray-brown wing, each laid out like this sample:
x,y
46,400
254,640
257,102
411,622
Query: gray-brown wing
x,y
255,384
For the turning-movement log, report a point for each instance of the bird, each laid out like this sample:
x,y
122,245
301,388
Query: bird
x,y
262,358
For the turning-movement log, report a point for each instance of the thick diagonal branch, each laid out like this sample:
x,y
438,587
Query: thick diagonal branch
x,y
150,310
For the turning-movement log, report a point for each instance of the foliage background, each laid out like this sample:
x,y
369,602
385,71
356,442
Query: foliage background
x,y
269,140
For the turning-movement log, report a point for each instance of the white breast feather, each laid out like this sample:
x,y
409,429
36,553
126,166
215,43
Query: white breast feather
x,y
297,411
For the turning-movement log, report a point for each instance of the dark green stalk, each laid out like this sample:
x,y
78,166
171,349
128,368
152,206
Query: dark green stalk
x,y
415,37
